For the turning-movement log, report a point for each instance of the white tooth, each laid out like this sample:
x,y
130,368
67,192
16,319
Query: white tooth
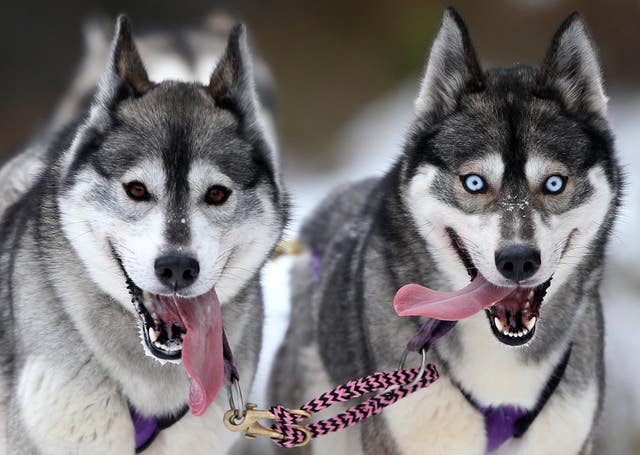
x,y
153,334
498,324
531,323
525,331
530,294
520,333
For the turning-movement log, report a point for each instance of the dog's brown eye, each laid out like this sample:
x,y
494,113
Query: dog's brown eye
x,y
217,195
137,191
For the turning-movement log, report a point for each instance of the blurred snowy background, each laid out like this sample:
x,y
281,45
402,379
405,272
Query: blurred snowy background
x,y
346,74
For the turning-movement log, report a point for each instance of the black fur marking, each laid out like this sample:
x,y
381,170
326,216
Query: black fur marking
x,y
463,254
177,160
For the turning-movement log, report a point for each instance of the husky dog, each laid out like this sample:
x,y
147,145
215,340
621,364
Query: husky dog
x,y
186,54
167,193
508,176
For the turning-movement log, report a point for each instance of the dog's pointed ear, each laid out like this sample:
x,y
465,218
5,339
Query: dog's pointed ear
x,y
452,68
231,84
571,68
125,69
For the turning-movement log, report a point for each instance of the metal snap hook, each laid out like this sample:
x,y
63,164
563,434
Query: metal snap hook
x,y
252,428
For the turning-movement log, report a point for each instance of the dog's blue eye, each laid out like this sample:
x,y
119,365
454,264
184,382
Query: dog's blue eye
x,y
473,183
554,184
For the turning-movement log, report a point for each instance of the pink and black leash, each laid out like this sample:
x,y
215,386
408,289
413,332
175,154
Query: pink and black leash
x,y
404,382
288,429
395,385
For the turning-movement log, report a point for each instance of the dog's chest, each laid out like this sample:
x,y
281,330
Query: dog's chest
x,y
439,420
198,435
436,420
494,374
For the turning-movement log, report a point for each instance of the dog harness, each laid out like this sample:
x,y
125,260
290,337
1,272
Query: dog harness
x,y
148,428
508,421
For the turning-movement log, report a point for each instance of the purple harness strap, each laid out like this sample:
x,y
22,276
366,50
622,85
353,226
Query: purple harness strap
x,y
500,423
508,421
316,265
147,428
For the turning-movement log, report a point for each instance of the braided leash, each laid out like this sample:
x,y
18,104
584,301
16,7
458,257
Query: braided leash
x,y
288,430
404,382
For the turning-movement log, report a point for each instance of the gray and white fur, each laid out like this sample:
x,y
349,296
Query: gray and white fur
x,y
186,54
514,127
72,360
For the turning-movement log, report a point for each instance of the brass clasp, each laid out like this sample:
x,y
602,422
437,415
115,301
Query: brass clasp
x,y
249,423
287,247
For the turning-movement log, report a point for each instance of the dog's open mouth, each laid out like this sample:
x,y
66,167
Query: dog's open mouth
x,y
513,319
188,329
163,331
513,312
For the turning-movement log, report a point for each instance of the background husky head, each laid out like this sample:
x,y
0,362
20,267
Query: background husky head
x,y
172,184
510,172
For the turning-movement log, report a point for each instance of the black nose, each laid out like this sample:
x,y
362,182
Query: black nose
x,y
518,262
177,271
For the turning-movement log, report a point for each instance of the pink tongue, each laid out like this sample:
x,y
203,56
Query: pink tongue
x,y
202,350
416,300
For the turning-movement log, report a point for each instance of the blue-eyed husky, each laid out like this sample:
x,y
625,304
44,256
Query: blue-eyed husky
x,y
508,177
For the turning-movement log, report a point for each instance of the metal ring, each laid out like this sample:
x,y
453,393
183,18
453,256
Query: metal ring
x,y
423,366
234,394
401,365
403,359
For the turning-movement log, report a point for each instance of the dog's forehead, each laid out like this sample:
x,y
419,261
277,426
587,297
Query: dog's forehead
x,y
176,124
513,123
178,108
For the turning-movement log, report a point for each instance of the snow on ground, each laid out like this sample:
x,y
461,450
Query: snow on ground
x,y
369,145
